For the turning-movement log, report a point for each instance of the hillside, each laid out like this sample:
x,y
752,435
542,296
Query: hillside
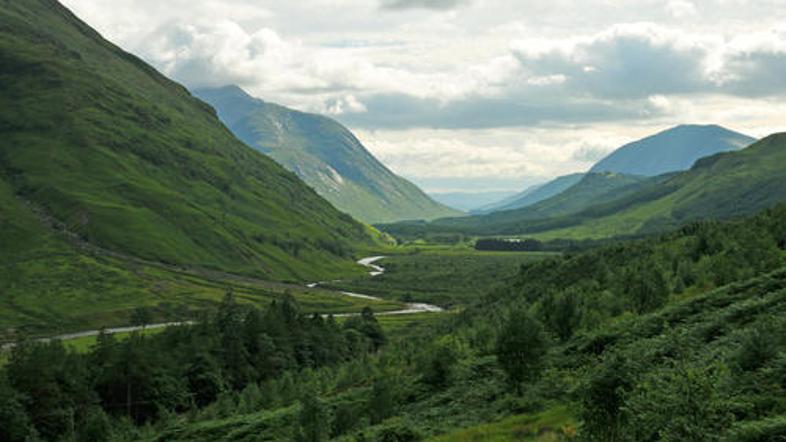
x,y
594,189
672,150
101,148
534,194
722,186
662,338
326,155
726,185
470,201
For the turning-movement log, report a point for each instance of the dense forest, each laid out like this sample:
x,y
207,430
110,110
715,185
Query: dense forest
x,y
675,337
52,393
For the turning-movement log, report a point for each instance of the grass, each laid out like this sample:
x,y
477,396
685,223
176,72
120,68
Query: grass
x,y
100,147
722,186
440,275
396,326
74,292
326,156
84,344
555,424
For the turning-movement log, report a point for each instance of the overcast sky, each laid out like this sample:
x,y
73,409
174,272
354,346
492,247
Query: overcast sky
x,y
477,94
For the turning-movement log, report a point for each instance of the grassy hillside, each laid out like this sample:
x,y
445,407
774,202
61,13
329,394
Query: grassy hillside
x,y
99,146
535,194
674,337
722,186
672,150
591,191
326,155
726,185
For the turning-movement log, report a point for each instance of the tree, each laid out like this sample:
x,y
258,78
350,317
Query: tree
x,y
141,316
602,398
646,287
438,366
15,426
314,419
381,404
563,313
521,346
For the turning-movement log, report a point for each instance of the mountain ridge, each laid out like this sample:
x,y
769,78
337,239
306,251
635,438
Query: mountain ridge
x,y
671,150
130,161
326,155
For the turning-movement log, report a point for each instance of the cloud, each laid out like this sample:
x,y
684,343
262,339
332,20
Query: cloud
x,y
477,75
591,154
681,9
754,65
422,4
625,61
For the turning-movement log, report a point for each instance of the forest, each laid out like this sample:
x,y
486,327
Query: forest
x,y
675,337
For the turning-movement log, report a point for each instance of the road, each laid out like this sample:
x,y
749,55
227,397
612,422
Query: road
x,y
411,308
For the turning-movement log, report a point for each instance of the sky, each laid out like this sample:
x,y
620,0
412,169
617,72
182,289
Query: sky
x,y
477,95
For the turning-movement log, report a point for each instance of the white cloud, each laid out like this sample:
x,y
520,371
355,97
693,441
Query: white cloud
x,y
516,91
681,9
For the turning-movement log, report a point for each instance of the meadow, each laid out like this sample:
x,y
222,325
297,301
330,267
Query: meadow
x,y
443,275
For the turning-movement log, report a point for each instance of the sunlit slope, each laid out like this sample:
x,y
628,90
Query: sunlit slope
x,y
326,155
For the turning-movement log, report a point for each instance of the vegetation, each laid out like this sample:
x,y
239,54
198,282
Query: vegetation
x,y
325,155
74,292
623,339
56,394
447,276
145,202
622,361
136,166
722,186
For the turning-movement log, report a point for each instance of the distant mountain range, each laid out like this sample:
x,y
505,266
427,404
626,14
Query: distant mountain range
x,y
469,201
326,155
671,150
533,194
604,205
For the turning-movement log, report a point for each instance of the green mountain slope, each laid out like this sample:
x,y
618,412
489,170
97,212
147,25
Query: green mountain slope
x,y
325,155
672,150
721,186
100,146
593,189
470,201
535,194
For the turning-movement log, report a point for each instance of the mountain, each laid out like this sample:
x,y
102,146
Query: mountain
x,y
721,186
326,155
469,201
591,189
672,150
535,194
102,153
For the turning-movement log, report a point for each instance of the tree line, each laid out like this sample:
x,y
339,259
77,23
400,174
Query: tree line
x,y
48,392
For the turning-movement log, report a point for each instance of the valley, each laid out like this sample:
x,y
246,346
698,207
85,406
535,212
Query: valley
x,y
181,260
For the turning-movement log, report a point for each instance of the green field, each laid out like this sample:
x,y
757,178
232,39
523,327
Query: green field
x,y
441,275
75,292
552,425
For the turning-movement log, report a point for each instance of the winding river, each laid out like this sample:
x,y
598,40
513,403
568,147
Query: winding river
x,y
375,270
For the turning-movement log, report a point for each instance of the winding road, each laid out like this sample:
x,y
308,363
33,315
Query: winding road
x,y
411,308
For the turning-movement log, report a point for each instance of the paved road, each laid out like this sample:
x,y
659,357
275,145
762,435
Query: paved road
x,y
411,308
